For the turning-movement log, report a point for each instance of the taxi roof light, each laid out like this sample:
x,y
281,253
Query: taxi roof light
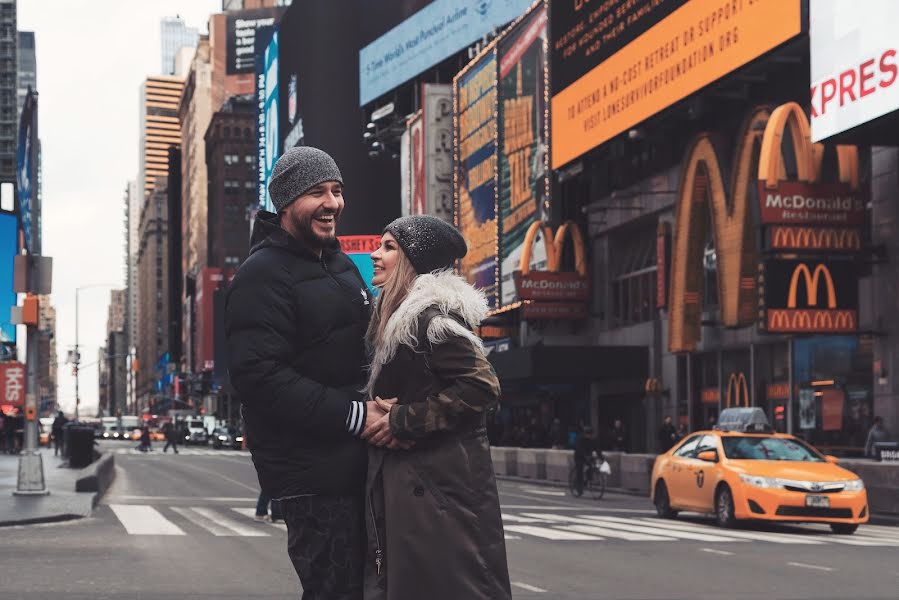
x,y
746,420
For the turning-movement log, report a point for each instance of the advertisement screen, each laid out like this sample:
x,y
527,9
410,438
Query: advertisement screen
x,y
267,118
523,144
855,65
241,37
25,159
690,48
9,245
434,33
475,178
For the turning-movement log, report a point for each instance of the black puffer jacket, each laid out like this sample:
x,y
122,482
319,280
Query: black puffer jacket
x,y
295,326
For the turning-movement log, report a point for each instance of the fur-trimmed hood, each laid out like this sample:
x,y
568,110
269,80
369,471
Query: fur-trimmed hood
x,y
441,290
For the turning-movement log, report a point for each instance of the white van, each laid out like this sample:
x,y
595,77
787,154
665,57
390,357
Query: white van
x,y
196,431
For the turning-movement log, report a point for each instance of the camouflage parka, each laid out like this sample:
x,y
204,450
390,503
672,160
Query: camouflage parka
x,y
434,525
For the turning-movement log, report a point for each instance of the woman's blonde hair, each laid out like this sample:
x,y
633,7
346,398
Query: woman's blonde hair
x,y
393,292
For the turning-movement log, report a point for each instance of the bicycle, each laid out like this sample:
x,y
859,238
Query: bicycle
x,y
594,480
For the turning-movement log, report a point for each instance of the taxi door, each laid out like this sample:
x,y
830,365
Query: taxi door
x,y
699,490
677,473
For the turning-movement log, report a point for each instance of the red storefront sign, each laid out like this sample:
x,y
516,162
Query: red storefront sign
x,y
801,203
534,311
12,384
359,244
546,285
710,395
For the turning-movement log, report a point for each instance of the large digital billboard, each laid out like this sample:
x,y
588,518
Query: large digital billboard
x,y
855,65
9,247
523,144
241,31
26,155
434,33
267,118
699,42
474,95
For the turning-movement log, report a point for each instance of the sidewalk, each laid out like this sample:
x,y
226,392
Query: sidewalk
x,y
61,504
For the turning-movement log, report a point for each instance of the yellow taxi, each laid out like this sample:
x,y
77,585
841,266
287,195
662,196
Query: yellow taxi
x,y
742,470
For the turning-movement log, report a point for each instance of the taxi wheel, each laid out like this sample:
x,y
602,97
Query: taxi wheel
x,y
663,502
843,528
724,508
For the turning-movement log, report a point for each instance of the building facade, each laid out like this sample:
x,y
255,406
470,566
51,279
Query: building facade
x,y
116,355
47,361
9,86
175,35
27,74
160,126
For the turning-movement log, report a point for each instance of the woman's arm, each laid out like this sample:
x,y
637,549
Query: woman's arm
x,y
472,387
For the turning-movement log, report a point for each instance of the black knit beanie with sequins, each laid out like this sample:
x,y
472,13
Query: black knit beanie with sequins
x,y
429,243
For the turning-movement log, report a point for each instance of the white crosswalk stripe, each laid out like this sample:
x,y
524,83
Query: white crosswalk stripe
x,y
250,512
777,538
551,534
181,452
140,519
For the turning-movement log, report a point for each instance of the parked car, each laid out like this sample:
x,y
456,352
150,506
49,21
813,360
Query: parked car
x,y
227,437
196,432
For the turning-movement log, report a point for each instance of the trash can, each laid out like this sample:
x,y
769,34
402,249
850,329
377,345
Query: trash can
x,y
81,446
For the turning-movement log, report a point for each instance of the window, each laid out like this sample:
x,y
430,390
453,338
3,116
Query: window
x,y
633,276
249,184
689,446
249,159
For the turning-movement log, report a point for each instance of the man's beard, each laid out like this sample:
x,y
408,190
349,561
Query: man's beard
x,y
308,235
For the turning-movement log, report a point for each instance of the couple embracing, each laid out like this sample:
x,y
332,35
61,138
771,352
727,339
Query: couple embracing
x,y
366,417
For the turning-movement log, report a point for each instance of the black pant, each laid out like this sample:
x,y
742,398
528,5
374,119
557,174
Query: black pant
x,y
326,544
170,442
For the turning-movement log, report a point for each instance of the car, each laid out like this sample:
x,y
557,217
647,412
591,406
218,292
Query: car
x,y
157,435
742,470
196,432
112,432
227,437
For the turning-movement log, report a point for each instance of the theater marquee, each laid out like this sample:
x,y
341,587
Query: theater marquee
x,y
689,48
809,296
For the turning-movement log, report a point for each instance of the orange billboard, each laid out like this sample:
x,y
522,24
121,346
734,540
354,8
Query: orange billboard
x,y
695,45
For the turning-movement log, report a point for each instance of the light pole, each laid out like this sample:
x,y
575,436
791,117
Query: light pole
x,y
77,357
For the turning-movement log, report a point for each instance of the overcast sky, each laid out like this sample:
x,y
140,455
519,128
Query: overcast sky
x,y
92,56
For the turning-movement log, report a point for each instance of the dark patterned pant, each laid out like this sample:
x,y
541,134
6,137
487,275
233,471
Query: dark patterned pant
x,y
326,544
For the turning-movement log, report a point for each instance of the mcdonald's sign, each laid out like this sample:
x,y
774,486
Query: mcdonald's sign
x,y
737,391
553,294
828,239
813,297
800,202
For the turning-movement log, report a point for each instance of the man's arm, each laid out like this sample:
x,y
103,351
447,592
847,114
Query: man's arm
x,y
258,323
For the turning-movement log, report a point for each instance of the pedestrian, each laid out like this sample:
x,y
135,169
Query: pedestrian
x,y
145,444
682,431
295,320
619,436
586,445
57,432
434,521
171,437
557,434
667,435
262,505
877,434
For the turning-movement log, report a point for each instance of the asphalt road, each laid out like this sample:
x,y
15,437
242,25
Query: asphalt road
x,y
181,527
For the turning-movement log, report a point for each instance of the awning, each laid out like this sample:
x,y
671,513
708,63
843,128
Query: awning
x,y
564,363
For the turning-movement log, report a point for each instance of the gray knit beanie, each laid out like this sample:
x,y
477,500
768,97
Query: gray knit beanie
x,y
299,170
429,243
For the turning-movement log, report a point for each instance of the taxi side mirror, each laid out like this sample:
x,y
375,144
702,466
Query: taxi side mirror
x,y
708,456
832,459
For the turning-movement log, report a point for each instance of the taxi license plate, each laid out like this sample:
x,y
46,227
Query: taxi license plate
x,y
817,501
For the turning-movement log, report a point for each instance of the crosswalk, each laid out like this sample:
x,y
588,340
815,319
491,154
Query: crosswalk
x,y
181,452
238,521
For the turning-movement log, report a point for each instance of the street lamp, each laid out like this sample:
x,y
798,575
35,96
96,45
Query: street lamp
x,y
77,357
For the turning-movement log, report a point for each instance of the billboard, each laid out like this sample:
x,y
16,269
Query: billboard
x,y
696,44
241,32
359,249
810,296
12,384
26,156
474,146
267,139
432,34
854,63
523,143
802,203
9,248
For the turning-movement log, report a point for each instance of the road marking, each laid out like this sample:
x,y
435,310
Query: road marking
x,y
550,534
584,525
140,519
580,507
713,551
805,566
530,588
544,492
201,521
512,537
223,521
184,498
251,513
517,519
633,525
777,538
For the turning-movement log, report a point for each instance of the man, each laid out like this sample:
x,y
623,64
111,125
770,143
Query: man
x,y
667,435
57,431
619,436
877,434
295,319
584,447
171,437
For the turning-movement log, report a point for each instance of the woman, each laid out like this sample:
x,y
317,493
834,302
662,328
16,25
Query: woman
x,y
434,524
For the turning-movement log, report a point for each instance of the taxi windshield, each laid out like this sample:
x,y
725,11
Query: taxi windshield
x,y
767,448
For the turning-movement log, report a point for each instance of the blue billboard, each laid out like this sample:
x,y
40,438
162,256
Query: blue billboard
x,y
9,247
434,33
26,153
267,116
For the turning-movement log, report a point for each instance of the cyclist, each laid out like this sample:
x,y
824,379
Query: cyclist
x,y
585,446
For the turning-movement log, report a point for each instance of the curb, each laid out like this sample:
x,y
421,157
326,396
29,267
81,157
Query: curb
x,y
97,477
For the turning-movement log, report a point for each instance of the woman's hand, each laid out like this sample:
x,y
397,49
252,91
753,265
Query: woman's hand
x,y
385,405
379,433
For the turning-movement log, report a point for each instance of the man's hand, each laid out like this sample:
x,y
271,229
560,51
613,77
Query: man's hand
x,y
379,433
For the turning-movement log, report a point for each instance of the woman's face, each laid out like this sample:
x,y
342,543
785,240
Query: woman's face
x,y
385,259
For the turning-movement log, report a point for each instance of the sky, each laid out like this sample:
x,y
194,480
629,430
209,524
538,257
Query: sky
x,y
92,56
